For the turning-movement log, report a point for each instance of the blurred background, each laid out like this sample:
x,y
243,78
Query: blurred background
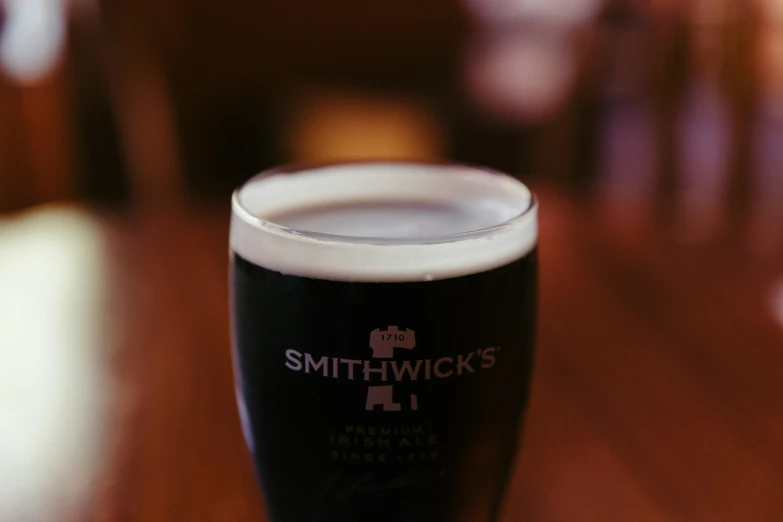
x,y
125,103
652,131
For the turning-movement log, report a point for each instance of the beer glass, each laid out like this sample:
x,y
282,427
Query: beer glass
x,y
383,320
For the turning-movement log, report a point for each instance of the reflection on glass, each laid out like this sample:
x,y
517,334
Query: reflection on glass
x,y
32,38
521,76
704,146
566,12
51,388
332,125
628,161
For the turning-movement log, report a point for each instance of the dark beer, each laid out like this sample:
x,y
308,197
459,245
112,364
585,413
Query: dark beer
x,y
383,363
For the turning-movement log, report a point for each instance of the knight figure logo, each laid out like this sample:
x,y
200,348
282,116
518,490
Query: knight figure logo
x,y
383,344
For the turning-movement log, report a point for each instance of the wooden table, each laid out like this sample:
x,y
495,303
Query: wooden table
x,y
658,391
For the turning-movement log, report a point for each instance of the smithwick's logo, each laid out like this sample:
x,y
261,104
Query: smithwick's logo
x,y
383,343
382,368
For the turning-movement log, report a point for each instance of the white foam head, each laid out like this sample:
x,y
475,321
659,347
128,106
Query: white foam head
x,y
383,222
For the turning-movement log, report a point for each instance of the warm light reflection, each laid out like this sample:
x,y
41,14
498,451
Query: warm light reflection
x,y
521,76
567,12
52,393
32,38
703,151
772,11
330,125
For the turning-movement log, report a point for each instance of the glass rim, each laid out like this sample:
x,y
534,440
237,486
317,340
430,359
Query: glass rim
x,y
505,182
